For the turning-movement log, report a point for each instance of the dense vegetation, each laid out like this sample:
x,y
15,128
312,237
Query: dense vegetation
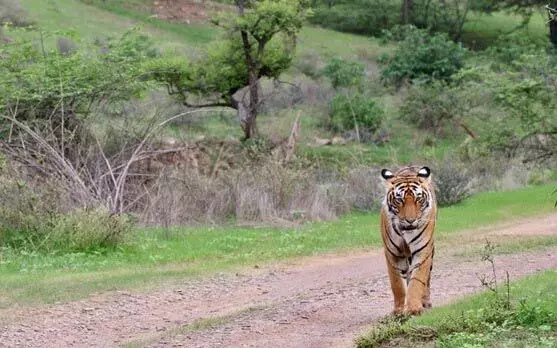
x,y
256,118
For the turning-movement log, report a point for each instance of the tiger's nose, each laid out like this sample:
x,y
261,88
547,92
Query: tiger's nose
x,y
410,220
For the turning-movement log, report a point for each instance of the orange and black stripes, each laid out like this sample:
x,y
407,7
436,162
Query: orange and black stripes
x,y
407,225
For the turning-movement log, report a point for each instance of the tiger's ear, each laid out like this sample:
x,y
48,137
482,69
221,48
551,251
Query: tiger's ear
x,y
424,172
387,174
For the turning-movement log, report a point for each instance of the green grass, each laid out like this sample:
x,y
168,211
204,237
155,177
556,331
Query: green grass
x,y
483,29
510,245
482,320
92,22
327,43
160,255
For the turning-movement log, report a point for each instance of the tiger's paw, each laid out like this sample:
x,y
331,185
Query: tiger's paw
x,y
398,312
414,309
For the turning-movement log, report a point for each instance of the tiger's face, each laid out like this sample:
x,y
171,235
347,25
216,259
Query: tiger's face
x,y
409,196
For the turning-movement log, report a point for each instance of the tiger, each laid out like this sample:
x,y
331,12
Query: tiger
x,y
408,216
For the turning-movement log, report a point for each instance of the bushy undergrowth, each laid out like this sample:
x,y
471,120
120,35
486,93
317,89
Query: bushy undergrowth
x,y
40,218
344,73
424,56
349,112
355,17
267,192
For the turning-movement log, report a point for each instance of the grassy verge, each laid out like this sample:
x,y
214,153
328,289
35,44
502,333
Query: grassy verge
x,y
96,23
486,320
160,255
505,245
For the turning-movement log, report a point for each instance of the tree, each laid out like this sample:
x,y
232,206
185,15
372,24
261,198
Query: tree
x,y
552,22
259,42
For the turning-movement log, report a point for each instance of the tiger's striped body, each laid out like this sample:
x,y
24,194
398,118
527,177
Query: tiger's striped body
x,y
407,224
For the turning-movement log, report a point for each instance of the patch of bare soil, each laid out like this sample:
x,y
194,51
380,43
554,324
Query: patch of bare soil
x,y
187,11
323,301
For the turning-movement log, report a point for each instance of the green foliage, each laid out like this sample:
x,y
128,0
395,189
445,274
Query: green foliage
x,y
525,96
344,73
351,111
366,17
37,84
424,56
441,16
511,47
265,18
431,107
270,28
219,72
439,107
487,319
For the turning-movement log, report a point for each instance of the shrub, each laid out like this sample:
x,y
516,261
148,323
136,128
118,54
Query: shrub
x,y
366,17
39,217
11,12
365,192
42,85
309,64
430,107
511,47
87,229
424,56
440,108
344,73
356,111
453,183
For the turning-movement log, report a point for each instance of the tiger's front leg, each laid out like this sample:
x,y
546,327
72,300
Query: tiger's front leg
x,y
418,288
398,284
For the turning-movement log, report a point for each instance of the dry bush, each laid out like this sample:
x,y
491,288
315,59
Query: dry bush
x,y
453,182
365,189
280,96
11,12
264,192
316,92
310,64
183,197
272,191
65,46
496,173
39,214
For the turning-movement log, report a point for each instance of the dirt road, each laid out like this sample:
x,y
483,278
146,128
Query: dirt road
x,y
323,301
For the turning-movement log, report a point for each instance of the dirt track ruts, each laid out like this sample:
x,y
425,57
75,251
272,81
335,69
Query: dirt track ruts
x,y
322,301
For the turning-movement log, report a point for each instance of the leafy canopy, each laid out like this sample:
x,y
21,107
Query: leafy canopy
x,y
221,70
35,83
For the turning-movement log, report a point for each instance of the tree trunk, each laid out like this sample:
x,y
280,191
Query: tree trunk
x,y
553,31
249,126
247,121
406,11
